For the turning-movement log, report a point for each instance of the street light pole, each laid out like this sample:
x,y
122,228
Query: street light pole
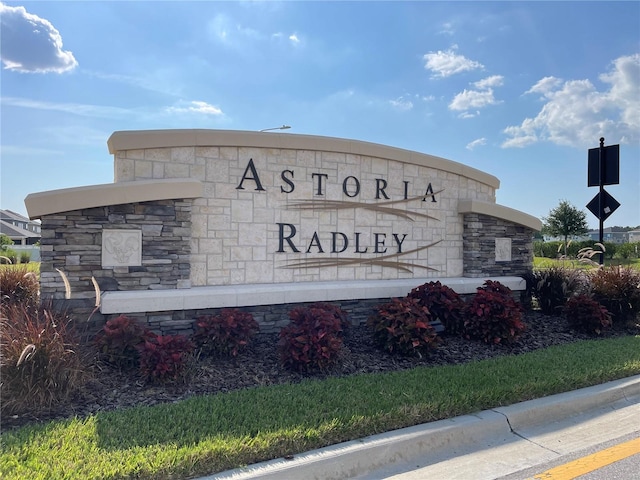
x,y
283,127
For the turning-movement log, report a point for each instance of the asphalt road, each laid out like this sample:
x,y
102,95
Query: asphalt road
x,y
613,460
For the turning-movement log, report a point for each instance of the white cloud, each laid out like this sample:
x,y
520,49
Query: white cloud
x,y
82,109
476,143
31,44
468,99
220,27
489,82
577,114
196,106
625,91
447,29
545,85
402,103
294,39
447,63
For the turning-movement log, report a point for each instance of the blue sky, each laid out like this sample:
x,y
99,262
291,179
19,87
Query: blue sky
x,y
520,90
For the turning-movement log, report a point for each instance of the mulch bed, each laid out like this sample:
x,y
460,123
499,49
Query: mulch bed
x,y
259,365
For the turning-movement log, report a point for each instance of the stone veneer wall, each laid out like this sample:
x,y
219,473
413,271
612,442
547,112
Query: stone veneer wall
x,y
271,318
72,242
235,232
480,233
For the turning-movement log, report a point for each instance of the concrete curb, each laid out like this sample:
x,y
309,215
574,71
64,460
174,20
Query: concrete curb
x,y
359,457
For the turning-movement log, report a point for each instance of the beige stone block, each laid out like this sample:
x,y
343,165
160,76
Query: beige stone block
x,y
258,154
238,276
176,170
183,154
198,273
133,154
328,274
197,172
225,191
215,263
455,268
251,235
217,171
305,158
207,152
158,170
143,169
346,273
124,170
259,253
209,246
259,272
219,224
229,153
242,211
380,166
158,154
199,226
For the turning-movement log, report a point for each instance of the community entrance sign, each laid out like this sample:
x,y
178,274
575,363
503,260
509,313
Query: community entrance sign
x,y
200,219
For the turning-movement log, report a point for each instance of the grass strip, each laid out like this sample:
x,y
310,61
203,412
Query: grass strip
x,y
213,433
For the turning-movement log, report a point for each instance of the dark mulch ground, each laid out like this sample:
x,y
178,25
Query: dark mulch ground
x,y
259,365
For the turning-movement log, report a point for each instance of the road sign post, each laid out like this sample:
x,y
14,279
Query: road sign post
x,y
603,168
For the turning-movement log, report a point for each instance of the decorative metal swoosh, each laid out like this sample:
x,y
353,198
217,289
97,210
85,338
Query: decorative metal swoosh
x,y
383,261
380,207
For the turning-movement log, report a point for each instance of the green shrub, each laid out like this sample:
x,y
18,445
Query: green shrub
x,y
553,286
443,304
164,357
628,250
493,315
311,341
18,285
224,334
25,257
119,339
42,363
9,255
403,326
618,290
587,315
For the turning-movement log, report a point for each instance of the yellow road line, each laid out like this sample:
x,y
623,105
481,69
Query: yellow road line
x,y
591,462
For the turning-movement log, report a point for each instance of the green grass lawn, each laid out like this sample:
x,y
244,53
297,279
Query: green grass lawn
x,y
213,433
543,262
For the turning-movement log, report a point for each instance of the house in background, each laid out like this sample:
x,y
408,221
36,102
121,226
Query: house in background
x,y
609,235
19,228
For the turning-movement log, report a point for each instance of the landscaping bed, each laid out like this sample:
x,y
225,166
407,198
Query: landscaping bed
x,y
259,365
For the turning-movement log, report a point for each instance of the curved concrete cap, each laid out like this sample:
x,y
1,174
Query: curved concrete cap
x,y
499,211
142,139
69,199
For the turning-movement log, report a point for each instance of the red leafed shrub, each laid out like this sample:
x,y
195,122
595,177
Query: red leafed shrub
x,y
493,315
443,303
164,357
224,334
618,290
587,315
311,341
336,311
118,340
402,326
